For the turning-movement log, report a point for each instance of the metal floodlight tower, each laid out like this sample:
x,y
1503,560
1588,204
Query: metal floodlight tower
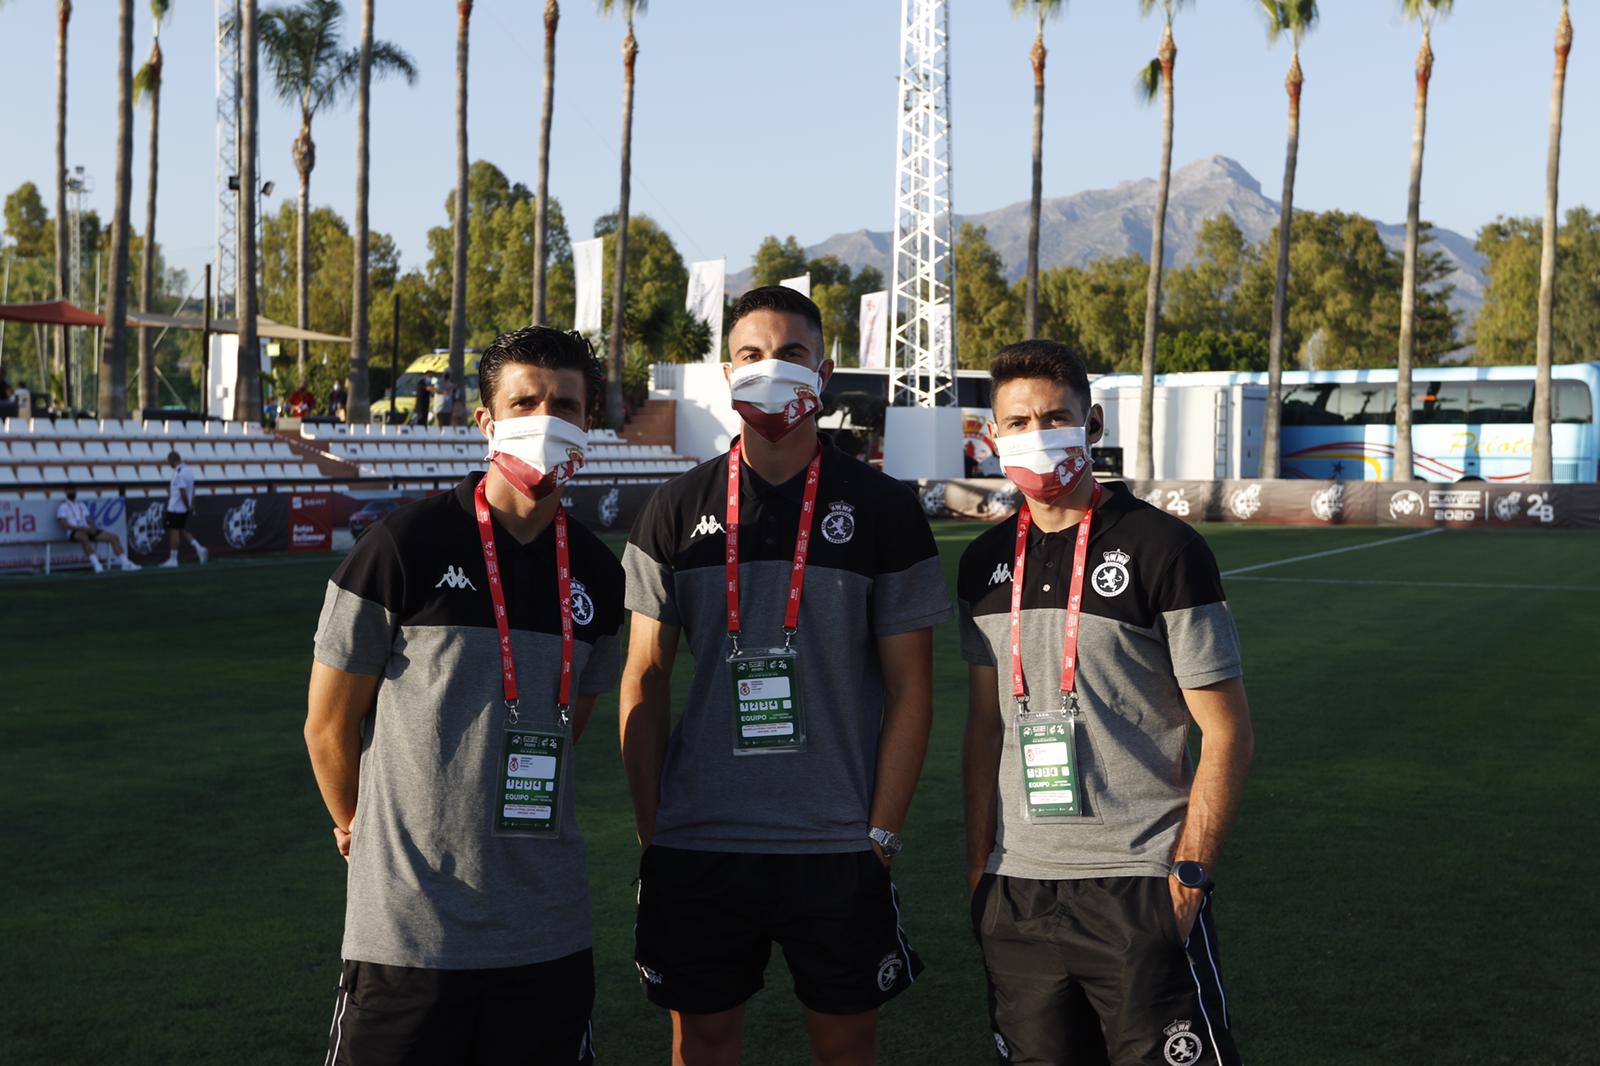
x,y
227,225
922,300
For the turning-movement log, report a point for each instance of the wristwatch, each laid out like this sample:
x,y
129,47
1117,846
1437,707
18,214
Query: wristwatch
x,y
889,842
1191,874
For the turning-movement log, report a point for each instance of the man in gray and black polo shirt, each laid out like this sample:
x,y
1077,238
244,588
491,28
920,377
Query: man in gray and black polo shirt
x,y
770,813
441,739
1092,841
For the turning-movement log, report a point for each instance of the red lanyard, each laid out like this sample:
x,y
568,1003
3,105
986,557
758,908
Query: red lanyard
x,y
802,545
1069,648
491,563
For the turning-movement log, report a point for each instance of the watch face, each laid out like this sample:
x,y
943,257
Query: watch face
x,y
1190,874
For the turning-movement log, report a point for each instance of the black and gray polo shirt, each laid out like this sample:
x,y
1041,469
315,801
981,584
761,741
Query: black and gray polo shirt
x,y
1154,622
873,571
429,885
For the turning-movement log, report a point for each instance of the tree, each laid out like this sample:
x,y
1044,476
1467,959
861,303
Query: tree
x,y
113,399
541,252
776,260
1295,18
311,71
147,86
1157,76
1542,468
988,314
458,260
1205,294
1208,349
1099,308
837,293
63,354
1425,12
247,382
1507,327
615,413
359,408
1042,9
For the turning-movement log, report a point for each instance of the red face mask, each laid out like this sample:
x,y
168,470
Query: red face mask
x,y
774,397
1046,464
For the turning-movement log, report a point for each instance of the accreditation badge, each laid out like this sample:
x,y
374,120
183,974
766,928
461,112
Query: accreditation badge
x,y
527,791
1047,742
767,714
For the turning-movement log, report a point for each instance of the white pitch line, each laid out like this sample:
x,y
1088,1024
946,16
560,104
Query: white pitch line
x,y
1331,551
1423,584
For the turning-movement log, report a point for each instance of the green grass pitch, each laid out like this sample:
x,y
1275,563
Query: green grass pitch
x,y
1412,879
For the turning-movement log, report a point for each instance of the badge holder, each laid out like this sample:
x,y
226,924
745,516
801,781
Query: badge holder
x,y
768,718
529,788
1048,745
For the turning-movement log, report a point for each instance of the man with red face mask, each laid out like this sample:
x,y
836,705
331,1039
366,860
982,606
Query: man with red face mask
x,y
460,651
1095,630
805,583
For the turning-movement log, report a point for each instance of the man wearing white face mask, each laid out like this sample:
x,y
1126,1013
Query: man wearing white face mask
x,y
460,651
805,584
1095,630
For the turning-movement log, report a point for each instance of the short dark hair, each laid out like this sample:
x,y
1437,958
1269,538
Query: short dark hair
x,y
174,457
552,349
777,298
1049,360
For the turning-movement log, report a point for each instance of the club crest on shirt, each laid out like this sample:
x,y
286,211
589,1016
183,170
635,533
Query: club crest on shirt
x,y
1111,576
582,605
888,971
839,524
1183,1046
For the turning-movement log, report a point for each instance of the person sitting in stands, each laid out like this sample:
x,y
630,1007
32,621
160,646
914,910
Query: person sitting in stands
x,y
301,402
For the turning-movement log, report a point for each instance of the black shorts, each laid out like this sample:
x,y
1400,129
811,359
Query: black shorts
x,y
708,919
1093,971
523,1015
177,519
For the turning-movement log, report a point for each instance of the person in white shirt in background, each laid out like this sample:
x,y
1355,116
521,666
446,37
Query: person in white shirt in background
x,y
180,501
75,516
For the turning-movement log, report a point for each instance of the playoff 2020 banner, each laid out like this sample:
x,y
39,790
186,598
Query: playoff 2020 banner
x,y
1313,503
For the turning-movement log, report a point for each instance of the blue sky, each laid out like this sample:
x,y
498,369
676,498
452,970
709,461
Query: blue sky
x,y
763,117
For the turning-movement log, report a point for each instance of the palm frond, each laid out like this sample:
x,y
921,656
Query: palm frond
x,y
1296,17
144,82
629,8
1426,10
1045,8
1148,82
159,9
392,59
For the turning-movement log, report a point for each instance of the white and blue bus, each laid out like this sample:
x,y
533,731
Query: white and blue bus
x,y
1472,423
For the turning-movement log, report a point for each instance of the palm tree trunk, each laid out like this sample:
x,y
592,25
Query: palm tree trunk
x,y
541,226
305,158
458,281
63,354
1031,328
359,403
1168,55
1270,443
147,258
1403,466
615,414
113,398
1543,465
247,384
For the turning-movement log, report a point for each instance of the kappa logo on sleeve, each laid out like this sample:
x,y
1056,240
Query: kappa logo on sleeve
x,y
1001,575
454,577
708,525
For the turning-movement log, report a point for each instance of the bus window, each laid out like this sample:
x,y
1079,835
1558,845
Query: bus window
x,y
1439,401
1366,403
1500,402
1307,405
1572,403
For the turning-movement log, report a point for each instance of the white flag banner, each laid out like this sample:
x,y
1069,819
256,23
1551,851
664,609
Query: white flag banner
x,y
588,263
940,340
705,300
801,284
874,329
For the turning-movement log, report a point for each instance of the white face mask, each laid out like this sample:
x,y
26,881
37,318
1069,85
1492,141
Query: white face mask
x,y
775,396
1046,463
536,453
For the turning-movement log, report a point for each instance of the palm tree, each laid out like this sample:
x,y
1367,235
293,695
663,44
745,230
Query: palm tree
x,y
458,260
1156,77
247,380
1042,9
360,334
63,354
113,399
1424,11
630,53
541,226
147,85
310,70
1543,468
1296,18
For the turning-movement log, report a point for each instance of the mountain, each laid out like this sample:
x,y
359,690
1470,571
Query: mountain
x,y
1078,229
